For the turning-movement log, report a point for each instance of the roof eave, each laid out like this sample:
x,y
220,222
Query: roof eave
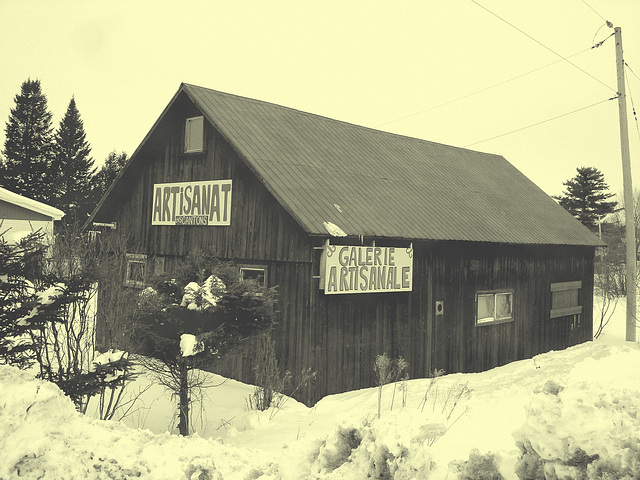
x,y
30,204
133,157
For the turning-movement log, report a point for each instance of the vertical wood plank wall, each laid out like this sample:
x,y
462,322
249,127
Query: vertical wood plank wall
x,y
260,228
339,336
348,331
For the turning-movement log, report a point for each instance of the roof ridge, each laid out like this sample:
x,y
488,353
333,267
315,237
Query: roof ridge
x,y
344,122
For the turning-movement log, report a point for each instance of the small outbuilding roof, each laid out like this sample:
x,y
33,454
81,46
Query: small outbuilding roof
x,y
33,205
377,184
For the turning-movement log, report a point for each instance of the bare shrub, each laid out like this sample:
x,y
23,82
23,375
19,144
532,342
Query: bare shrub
x,y
389,371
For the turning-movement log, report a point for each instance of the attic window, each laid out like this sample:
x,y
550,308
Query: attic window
x,y
194,135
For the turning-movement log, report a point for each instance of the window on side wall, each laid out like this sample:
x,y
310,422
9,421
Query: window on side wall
x,y
259,274
194,135
494,307
136,270
565,299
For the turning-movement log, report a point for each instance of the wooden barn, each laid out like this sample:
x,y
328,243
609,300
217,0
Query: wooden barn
x,y
448,257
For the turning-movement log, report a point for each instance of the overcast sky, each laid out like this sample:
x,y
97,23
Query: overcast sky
x,y
400,66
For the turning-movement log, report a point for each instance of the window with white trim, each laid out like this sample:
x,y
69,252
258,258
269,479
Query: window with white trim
x,y
494,307
194,135
135,272
565,299
258,274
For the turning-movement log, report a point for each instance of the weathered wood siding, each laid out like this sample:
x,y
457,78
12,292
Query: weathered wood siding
x,y
346,332
260,228
261,233
339,336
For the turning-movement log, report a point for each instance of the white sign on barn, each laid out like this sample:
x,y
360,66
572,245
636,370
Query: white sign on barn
x,y
363,269
206,203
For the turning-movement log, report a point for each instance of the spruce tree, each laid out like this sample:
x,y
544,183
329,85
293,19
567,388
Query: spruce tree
x,y
73,166
586,197
29,146
47,315
194,316
103,179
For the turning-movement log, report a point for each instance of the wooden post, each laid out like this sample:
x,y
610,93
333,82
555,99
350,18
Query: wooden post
x,y
629,216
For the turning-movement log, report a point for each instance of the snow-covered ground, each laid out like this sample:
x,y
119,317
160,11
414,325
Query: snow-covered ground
x,y
553,414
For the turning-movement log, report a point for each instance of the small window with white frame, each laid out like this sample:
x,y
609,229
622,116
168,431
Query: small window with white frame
x,y
258,274
135,273
494,307
194,135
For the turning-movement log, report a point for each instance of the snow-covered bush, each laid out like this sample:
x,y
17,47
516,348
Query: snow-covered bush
x,y
194,316
21,265
114,371
47,313
480,467
580,431
377,449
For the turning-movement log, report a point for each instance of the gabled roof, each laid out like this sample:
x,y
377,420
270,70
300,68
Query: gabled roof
x,y
378,184
33,205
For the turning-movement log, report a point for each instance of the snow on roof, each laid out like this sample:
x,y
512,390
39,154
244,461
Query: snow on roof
x,y
30,204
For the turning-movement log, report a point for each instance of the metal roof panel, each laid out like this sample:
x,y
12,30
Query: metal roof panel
x,y
385,185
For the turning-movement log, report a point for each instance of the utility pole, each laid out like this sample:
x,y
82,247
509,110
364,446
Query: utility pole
x,y
629,217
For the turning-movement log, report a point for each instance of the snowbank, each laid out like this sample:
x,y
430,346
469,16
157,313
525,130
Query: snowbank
x,y
587,425
574,409
572,413
42,436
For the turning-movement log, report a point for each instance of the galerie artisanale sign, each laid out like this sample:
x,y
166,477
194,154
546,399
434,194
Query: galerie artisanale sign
x,y
192,203
361,269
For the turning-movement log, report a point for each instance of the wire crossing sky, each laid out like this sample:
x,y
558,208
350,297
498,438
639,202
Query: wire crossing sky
x,y
520,79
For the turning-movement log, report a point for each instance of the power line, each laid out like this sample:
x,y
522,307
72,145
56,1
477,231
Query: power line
x,y
594,11
634,73
485,89
593,40
540,123
599,44
543,45
633,107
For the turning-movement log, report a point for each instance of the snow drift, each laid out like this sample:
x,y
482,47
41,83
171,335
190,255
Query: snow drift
x,y
572,413
42,436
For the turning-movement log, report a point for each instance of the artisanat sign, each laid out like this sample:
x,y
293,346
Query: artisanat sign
x,y
362,269
206,203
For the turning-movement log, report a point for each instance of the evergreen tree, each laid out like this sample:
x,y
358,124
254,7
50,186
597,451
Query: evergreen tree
x,y
21,266
73,166
586,197
47,315
193,316
103,179
29,146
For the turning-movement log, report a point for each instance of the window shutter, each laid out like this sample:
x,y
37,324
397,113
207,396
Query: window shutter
x,y
565,299
194,135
